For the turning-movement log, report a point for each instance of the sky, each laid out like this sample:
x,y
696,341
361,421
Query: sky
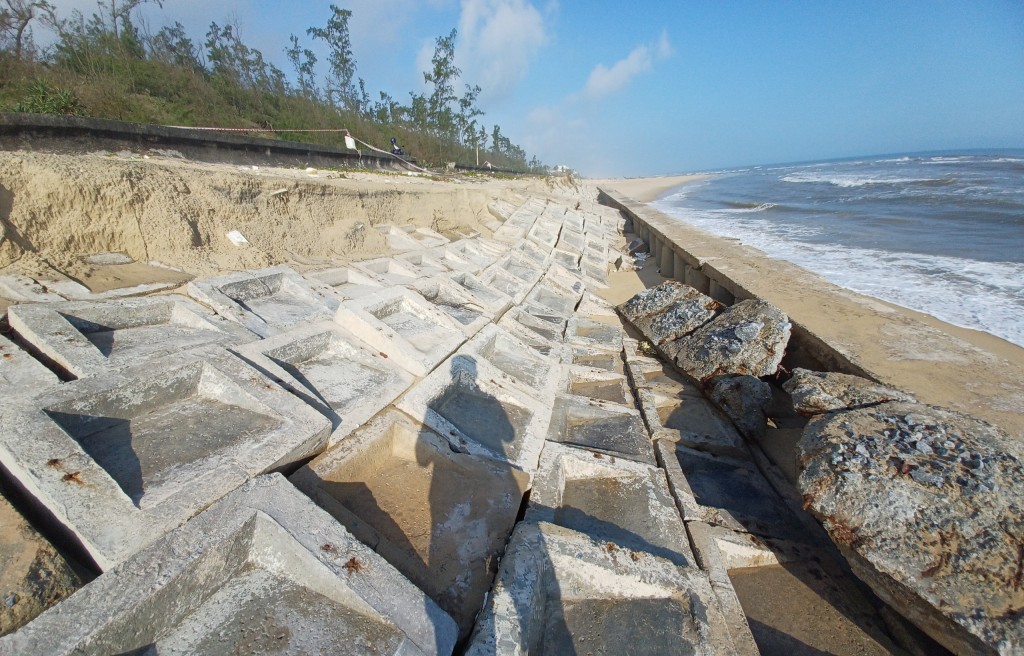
x,y
613,88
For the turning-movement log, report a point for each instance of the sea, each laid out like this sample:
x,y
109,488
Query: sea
x,y
941,233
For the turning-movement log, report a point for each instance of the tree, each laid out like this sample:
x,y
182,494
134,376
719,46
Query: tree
x,y
15,18
340,90
442,77
172,46
303,60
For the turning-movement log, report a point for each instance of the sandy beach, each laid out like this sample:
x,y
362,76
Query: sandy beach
x,y
646,189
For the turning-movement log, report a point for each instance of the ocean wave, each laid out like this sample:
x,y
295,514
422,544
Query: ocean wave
x,y
743,206
986,296
850,181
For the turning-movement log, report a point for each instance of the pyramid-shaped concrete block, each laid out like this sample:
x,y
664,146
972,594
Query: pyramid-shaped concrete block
x,y
455,301
556,585
442,518
399,323
265,301
89,338
493,300
595,383
424,263
326,366
535,373
120,460
481,411
263,570
624,502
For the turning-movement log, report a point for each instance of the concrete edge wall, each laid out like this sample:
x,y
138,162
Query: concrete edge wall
x,y
62,133
680,261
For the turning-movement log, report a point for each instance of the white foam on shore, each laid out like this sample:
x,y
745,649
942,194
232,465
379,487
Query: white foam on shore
x,y
987,296
848,181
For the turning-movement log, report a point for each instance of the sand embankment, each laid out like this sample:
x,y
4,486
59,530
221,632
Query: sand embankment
x,y
58,211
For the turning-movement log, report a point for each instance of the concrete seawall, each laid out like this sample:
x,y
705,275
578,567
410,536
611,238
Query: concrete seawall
x,y
840,330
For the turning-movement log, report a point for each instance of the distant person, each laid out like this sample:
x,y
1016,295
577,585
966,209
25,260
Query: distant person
x,y
395,148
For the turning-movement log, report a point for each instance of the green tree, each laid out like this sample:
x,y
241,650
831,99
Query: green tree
x,y
340,90
303,60
442,77
16,17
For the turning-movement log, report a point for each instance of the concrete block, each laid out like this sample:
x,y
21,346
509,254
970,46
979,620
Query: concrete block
x,y
401,324
424,263
531,252
573,221
724,492
698,280
594,383
623,502
330,369
21,375
543,236
440,517
387,270
89,338
559,592
687,417
453,260
599,331
537,319
263,570
600,426
265,301
598,358
347,282
560,301
493,300
408,237
120,460
572,241
531,332
481,411
452,299
569,260
505,282
22,289
501,209
535,373
477,254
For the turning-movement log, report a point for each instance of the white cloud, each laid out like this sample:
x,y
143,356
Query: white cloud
x,y
605,80
498,41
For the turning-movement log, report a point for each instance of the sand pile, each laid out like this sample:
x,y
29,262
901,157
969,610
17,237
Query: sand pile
x,y
57,212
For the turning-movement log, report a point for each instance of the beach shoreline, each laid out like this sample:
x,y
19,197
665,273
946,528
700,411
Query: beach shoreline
x,y
646,190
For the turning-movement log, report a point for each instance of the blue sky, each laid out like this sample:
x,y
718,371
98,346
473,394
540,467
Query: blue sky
x,y
617,88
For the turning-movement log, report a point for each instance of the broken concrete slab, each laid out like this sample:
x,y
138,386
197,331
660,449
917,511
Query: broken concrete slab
x,y
559,592
816,392
654,300
438,516
330,369
119,460
262,570
536,374
481,411
33,575
89,338
347,282
455,301
265,301
21,375
925,504
401,324
747,338
724,492
745,400
623,502
599,426
687,312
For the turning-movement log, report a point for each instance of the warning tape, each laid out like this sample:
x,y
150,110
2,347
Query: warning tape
x,y
345,130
